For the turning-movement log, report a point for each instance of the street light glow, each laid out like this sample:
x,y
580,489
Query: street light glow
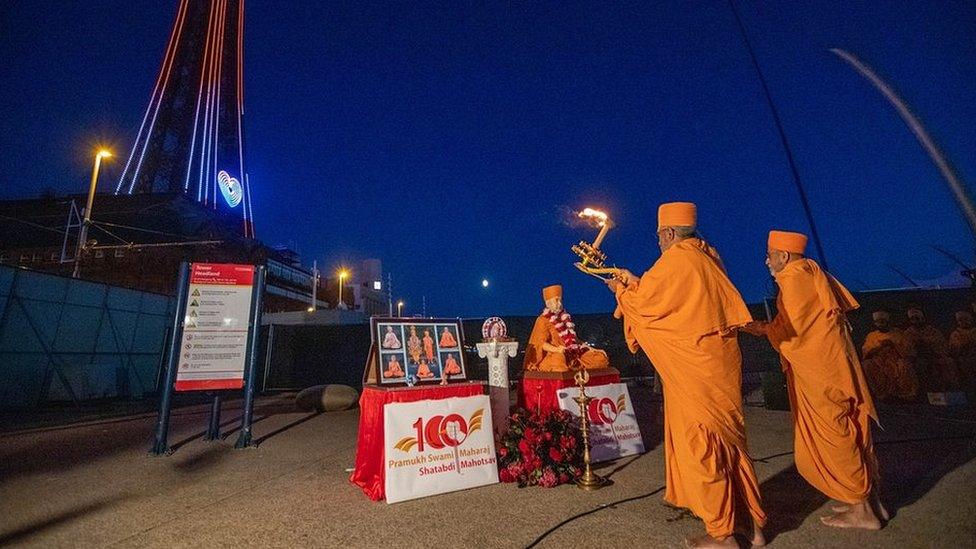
x,y
484,283
104,153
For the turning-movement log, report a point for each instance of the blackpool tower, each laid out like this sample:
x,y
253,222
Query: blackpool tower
x,y
191,138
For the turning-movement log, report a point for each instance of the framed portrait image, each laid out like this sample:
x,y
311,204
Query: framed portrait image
x,y
408,351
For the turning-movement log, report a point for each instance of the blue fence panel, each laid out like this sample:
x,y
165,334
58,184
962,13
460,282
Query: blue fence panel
x,y
67,339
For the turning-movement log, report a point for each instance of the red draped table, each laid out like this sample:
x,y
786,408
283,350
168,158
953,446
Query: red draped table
x,y
370,473
537,391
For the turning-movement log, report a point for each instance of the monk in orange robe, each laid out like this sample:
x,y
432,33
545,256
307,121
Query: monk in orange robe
x,y
929,347
451,366
829,398
886,362
683,313
423,371
553,343
447,339
428,345
962,345
393,368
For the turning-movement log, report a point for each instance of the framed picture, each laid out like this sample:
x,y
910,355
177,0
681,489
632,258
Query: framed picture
x,y
415,350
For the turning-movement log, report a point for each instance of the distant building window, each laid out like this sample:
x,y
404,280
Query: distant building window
x,y
55,256
99,253
35,258
24,258
120,253
377,285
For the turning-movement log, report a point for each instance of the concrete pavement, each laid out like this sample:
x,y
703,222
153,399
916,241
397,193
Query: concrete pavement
x,y
95,486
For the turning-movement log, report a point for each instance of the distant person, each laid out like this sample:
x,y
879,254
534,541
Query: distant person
x,y
962,345
447,339
553,343
684,312
390,340
393,368
933,361
829,396
886,361
428,345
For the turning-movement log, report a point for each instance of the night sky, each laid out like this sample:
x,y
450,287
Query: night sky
x,y
450,141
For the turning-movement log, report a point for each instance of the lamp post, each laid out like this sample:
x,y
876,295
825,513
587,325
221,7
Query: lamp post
x,y
83,232
342,277
399,308
315,286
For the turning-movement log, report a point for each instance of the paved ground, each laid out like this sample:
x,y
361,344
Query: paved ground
x,y
94,485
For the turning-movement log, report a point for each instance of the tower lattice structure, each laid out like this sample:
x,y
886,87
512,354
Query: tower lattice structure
x,y
191,138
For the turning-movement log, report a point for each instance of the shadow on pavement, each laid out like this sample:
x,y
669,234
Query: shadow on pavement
x,y
913,455
39,452
258,441
61,518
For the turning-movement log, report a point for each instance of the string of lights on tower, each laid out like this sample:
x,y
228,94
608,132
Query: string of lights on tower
x,y
191,138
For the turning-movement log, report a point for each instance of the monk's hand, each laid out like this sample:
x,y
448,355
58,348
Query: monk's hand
x,y
614,284
627,277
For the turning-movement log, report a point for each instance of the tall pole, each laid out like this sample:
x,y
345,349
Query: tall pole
x,y
160,440
815,236
315,285
955,185
389,293
83,231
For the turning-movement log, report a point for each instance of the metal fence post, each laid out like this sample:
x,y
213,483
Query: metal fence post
x,y
160,444
213,431
244,440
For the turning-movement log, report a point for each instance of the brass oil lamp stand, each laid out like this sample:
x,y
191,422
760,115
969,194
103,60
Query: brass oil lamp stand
x,y
590,480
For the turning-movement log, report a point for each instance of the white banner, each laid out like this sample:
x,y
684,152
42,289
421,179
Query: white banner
x,y
613,424
438,446
215,328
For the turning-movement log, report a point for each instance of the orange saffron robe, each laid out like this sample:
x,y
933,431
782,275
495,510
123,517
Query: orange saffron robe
x,y
537,358
887,367
448,341
829,398
962,344
683,314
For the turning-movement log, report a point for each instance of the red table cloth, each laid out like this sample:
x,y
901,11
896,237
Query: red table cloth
x,y
539,393
369,473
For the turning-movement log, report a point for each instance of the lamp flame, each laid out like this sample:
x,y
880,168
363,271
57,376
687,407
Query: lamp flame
x,y
595,217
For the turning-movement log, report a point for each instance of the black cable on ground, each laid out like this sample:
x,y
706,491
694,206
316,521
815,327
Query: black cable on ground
x,y
603,506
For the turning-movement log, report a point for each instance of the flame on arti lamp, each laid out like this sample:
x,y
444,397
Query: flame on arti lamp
x,y
596,217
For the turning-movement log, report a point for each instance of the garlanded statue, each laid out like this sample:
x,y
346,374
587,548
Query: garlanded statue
x,y
553,345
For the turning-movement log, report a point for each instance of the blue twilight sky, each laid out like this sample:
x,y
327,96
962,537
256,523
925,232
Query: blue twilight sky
x,y
449,140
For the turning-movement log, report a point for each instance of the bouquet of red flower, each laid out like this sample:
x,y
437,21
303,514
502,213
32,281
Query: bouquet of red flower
x,y
542,450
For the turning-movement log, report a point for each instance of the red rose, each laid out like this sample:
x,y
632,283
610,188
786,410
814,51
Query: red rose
x,y
502,452
524,448
555,455
506,476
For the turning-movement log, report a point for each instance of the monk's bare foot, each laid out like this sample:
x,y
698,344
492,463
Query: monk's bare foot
x,y
879,509
753,534
856,516
757,539
706,541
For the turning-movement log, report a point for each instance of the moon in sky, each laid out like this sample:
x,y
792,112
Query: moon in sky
x,y
484,283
